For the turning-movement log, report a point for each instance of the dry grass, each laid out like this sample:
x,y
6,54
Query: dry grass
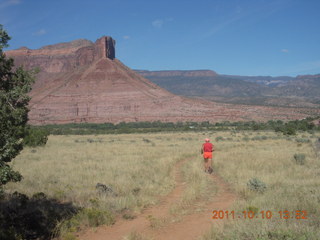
x,y
136,236
290,186
138,168
199,190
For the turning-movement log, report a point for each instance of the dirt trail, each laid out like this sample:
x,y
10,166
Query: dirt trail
x,y
190,227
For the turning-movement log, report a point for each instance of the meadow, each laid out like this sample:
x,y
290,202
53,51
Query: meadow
x,y
138,169
287,183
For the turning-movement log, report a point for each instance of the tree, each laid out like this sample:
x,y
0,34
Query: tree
x,y
14,87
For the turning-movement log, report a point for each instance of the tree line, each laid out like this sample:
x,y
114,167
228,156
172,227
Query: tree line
x,y
287,128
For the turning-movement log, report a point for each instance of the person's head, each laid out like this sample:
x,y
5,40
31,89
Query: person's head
x,y
207,140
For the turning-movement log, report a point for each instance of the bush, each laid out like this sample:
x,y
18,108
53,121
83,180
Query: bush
x,y
219,138
246,139
36,137
27,218
252,209
87,217
256,185
302,140
300,158
146,140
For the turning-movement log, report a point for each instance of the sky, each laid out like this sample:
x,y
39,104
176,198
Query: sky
x,y
235,37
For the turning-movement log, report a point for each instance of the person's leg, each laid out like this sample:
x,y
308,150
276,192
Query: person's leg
x,y
210,170
206,164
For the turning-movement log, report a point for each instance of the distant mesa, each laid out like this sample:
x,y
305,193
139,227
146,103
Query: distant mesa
x,y
301,91
178,73
82,81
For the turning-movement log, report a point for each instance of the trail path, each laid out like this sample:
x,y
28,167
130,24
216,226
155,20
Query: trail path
x,y
189,227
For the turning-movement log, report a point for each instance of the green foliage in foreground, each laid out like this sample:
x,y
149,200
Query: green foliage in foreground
x,y
287,128
87,217
31,218
36,217
14,87
36,137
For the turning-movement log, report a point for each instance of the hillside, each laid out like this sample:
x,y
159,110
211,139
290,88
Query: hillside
x,y
301,91
82,81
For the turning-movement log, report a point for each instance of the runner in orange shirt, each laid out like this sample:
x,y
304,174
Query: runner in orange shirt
x,y
206,150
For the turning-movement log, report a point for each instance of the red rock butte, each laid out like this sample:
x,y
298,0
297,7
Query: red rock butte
x,y
81,81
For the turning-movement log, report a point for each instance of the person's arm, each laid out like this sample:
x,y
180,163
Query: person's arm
x,y
201,149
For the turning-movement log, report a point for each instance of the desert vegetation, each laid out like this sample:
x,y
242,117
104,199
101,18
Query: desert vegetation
x,y
134,170
106,177
287,128
275,174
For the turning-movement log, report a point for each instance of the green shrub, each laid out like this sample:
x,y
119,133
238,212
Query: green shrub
x,y
36,137
96,217
69,236
87,217
246,139
146,140
128,216
22,217
219,138
289,131
253,209
302,140
300,158
256,138
256,185
39,196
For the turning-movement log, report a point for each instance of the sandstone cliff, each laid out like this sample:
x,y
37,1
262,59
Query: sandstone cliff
x,y
82,81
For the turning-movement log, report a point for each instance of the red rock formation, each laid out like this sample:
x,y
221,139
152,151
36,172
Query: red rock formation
x,y
82,81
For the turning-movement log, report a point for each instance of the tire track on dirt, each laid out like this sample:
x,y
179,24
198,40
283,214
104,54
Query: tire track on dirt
x,y
124,227
190,227
195,225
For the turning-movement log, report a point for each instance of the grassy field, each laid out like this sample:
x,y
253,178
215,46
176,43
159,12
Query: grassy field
x,y
291,185
138,168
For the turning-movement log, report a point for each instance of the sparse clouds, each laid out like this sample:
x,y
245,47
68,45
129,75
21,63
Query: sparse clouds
x,y
14,2
9,3
126,37
220,25
284,50
40,32
157,23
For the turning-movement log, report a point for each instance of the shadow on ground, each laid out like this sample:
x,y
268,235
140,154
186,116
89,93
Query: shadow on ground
x,y
31,218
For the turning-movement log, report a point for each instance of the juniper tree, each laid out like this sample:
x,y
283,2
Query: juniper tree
x,y
15,83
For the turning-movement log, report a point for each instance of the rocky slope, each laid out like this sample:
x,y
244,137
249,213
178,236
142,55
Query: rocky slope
x,y
82,81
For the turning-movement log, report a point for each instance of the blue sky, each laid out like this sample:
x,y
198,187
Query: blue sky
x,y
243,37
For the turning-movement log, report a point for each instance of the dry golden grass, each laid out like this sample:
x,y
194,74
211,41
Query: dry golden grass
x,y
139,168
289,186
136,166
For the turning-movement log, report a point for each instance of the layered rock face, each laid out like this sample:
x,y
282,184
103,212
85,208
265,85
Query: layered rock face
x,y
82,81
64,57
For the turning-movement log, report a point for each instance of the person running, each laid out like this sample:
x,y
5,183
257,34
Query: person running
x,y
206,150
